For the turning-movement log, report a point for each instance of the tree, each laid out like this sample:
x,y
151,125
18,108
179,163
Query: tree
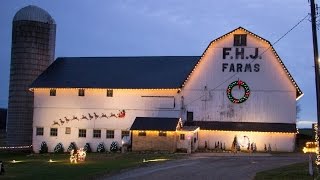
x,y
298,110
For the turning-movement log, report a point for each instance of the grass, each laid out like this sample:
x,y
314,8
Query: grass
x,y
299,171
37,166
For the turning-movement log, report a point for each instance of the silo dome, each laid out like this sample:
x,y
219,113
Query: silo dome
x,y
33,13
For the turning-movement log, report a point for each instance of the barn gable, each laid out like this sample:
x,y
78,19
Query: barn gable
x,y
268,46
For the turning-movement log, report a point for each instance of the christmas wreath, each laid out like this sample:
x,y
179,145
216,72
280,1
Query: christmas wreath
x,y
240,84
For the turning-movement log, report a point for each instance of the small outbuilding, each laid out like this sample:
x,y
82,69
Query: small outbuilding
x,y
155,133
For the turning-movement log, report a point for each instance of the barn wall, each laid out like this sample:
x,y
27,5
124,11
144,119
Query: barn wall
x,y
67,104
153,142
272,98
284,142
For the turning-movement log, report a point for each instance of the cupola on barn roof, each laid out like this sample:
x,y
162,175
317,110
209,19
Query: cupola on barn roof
x,y
33,13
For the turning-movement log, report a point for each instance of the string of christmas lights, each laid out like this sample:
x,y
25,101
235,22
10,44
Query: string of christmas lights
x,y
316,138
15,147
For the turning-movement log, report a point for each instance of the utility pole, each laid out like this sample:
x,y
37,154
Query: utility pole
x,y
316,61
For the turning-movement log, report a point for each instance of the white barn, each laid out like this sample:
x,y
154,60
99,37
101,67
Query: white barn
x,y
239,87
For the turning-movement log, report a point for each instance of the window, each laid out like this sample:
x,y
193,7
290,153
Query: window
x,y
53,92
240,40
82,133
68,130
81,92
39,131
54,132
109,93
110,134
125,133
189,116
182,137
162,133
97,133
142,133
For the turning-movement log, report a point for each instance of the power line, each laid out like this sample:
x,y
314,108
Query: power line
x,y
255,58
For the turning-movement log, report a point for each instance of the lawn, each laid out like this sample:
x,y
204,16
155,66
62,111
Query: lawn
x,y
36,166
297,171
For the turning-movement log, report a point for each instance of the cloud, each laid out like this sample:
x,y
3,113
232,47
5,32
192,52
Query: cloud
x,y
305,124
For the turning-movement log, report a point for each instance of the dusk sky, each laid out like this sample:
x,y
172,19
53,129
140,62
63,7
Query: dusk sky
x,y
170,28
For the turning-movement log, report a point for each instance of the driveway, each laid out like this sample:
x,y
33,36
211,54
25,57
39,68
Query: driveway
x,y
211,166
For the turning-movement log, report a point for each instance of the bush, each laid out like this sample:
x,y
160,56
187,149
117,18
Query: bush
x,y
114,146
87,148
43,148
59,148
72,146
101,148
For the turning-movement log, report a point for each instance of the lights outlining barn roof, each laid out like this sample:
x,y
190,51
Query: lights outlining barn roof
x,y
102,89
299,93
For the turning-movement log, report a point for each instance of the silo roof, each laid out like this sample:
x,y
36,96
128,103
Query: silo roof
x,y
33,13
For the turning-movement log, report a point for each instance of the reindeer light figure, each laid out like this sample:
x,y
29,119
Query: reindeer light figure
x,y
66,119
90,116
75,118
84,117
73,157
95,115
61,121
55,123
79,155
103,115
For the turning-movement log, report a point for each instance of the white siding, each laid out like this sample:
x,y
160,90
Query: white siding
x,y
272,98
67,104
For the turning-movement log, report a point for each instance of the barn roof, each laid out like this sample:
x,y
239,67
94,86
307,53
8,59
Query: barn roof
x,y
153,72
243,126
155,123
299,93
146,72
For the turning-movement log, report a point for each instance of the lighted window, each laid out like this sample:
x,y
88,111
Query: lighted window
x,y
81,92
54,132
162,133
125,133
109,93
97,133
39,131
82,133
68,130
240,40
142,133
110,134
53,92
182,137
